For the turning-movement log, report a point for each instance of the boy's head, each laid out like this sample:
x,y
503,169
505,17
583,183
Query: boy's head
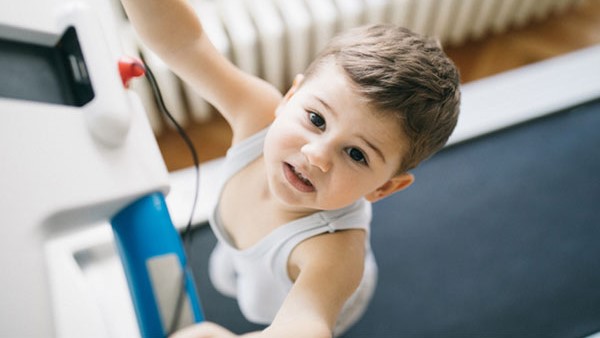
x,y
402,74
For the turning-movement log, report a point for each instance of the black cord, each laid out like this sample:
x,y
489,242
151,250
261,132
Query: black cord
x,y
187,239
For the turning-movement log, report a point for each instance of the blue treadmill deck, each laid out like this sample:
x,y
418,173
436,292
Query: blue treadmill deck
x,y
498,237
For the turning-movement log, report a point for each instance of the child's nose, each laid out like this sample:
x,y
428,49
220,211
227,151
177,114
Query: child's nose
x,y
318,155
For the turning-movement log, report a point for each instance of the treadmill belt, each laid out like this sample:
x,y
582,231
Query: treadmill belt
x,y
498,237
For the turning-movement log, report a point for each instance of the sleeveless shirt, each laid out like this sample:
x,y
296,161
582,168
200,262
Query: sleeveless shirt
x,y
258,276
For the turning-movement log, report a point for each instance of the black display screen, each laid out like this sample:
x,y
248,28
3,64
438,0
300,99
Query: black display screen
x,y
51,74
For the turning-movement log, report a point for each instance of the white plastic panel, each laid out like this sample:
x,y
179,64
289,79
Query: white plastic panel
x,y
108,115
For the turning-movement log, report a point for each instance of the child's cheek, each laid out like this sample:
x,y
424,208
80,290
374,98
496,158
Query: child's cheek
x,y
277,139
289,130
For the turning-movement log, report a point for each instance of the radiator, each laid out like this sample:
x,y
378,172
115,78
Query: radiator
x,y
276,39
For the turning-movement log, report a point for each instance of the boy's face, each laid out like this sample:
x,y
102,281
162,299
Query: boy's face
x,y
326,148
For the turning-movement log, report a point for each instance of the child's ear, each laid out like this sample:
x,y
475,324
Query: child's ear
x,y
394,184
297,81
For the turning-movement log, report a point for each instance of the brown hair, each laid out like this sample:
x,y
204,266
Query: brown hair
x,y
400,72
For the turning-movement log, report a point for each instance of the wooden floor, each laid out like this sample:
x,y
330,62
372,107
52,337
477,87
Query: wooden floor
x,y
577,28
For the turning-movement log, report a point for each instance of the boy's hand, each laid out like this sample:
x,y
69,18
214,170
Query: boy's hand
x,y
204,330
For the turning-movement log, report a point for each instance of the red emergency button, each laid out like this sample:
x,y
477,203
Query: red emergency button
x,y
130,67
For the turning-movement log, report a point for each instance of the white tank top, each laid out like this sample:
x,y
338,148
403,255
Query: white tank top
x,y
257,276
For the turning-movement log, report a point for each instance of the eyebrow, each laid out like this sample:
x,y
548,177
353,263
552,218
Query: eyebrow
x,y
375,149
371,145
326,105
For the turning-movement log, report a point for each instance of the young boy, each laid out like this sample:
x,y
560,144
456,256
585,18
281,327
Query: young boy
x,y
293,214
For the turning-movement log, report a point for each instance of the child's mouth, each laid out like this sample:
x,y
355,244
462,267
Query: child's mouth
x,y
296,179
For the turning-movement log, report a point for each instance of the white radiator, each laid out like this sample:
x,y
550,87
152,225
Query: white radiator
x,y
276,39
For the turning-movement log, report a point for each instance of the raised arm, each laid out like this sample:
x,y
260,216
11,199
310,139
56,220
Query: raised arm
x,y
173,31
327,269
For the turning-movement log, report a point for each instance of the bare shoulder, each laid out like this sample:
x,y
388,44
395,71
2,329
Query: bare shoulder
x,y
255,102
340,253
326,270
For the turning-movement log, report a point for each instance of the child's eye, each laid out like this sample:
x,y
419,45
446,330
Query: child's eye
x,y
317,120
357,155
